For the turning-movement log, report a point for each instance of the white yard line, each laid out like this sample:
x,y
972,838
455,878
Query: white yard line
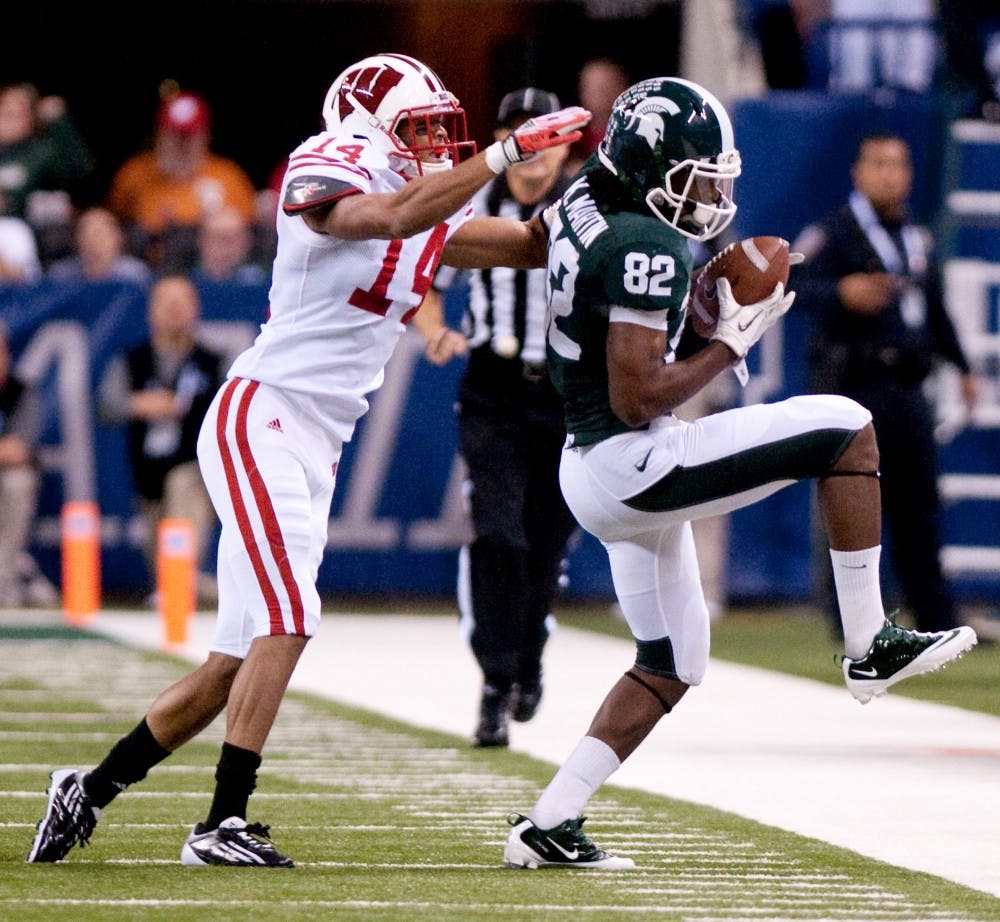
x,y
913,784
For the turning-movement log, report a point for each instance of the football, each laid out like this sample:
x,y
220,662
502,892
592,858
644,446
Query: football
x,y
752,266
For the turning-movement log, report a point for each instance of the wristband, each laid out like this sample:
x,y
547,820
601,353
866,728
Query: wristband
x,y
496,158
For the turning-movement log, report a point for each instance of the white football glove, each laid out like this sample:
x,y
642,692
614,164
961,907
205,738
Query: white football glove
x,y
536,134
741,325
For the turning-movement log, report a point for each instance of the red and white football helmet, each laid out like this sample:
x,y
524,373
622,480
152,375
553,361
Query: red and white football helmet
x,y
388,90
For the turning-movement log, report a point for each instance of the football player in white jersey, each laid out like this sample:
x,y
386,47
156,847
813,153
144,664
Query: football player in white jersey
x,y
369,207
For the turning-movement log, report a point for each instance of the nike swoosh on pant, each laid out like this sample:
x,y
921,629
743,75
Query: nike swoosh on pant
x,y
641,466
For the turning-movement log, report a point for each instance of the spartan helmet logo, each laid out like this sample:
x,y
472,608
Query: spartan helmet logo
x,y
645,125
649,129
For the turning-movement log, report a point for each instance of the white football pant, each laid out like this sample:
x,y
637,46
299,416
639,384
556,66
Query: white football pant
x,y
270,471
638,493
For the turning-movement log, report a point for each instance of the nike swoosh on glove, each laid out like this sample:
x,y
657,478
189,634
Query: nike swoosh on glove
x,y
742,325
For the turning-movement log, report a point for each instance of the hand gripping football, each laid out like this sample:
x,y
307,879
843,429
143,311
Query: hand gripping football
x,y
752,266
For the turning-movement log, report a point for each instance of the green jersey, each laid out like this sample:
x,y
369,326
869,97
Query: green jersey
x,y
599,260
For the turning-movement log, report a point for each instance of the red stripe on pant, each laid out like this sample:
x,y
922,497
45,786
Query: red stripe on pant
x,y
271,529
265,509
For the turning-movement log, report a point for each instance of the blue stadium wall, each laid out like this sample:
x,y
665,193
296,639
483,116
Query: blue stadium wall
x,y
392,528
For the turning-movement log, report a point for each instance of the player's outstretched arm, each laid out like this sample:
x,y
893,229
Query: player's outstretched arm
x,y
535,135
486,241
430,199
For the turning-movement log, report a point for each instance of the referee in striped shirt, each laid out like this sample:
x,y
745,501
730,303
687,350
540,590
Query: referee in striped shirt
x,y
511,432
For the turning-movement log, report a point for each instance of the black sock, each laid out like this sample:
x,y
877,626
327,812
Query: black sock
x,y
235,779
128,762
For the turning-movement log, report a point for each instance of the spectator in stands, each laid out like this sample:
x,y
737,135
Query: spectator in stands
x,y
20,424
162,195
225,250
19,261
40,152
599,84
162,389
100,254
880,323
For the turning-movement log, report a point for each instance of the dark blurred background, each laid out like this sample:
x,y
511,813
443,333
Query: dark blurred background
x,y
781,66
265,65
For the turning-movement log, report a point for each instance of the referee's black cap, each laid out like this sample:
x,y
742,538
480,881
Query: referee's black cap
x,y
524,103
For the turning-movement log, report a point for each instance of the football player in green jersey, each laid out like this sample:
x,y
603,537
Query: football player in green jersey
x,y
635,476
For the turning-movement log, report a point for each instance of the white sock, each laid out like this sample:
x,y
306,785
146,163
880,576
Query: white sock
x,y
859,593
586,769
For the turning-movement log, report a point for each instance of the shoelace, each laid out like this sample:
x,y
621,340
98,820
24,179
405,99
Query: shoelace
x,y
838,658
583,840
258,829
80,824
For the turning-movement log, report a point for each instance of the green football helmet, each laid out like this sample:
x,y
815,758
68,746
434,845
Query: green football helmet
x,y
670,144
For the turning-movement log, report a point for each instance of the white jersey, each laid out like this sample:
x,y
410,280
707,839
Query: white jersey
x,y
338,307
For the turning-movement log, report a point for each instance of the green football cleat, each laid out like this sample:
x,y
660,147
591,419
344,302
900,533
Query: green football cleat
x,y
897,653
565,846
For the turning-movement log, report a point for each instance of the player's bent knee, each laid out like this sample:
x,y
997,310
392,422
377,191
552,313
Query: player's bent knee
x,y
657,658
854,415
861,457
222,665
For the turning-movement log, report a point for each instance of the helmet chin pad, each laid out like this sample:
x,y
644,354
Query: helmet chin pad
x,y
412,166
424,126
696,197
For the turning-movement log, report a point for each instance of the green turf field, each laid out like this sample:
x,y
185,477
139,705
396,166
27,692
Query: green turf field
x,y
384,822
